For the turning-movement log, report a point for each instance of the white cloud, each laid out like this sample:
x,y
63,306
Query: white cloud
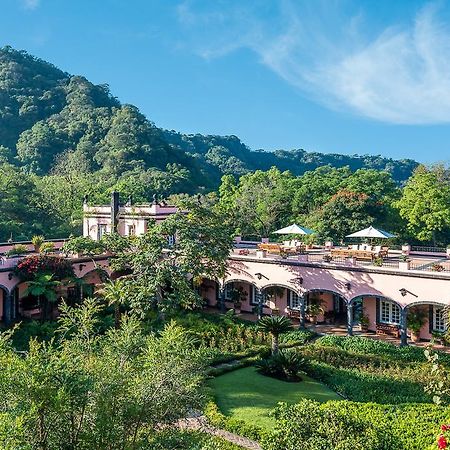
x,y
399,75
31,4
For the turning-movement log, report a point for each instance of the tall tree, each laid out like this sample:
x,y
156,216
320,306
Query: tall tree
x,y
425,204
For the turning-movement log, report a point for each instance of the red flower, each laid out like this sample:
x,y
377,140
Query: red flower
x,y
442,442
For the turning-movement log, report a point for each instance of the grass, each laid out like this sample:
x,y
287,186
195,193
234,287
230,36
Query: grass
x,y
247,395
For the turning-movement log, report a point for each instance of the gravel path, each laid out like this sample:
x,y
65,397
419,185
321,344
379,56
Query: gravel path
x,y
200,423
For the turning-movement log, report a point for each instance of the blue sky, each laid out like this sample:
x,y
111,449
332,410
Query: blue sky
x,y
331,76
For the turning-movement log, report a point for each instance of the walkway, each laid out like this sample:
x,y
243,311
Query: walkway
x,y
200,423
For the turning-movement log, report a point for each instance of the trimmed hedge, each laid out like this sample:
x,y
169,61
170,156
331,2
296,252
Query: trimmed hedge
x,y
345,425
366,346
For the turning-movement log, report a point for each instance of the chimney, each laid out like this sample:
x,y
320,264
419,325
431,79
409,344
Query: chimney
x,y
114,211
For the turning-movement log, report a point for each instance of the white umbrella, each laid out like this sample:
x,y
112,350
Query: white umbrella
x,y
294,229
372,232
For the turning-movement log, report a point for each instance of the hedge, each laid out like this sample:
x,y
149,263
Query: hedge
x,y
345,425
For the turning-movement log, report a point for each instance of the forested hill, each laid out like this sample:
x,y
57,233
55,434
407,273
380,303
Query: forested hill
x,y
45,112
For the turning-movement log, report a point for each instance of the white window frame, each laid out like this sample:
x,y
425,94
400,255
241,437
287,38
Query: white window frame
x,y
439,322
102,229
389,313
131,230
171,240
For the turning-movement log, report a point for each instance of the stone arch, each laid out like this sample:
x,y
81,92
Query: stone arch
x,y
426,303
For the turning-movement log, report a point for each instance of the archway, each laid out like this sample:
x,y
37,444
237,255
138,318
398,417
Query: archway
x,y
326,306
427,319
249,298
5,305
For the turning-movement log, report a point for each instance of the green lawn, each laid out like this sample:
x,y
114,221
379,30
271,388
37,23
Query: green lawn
x,y
247,395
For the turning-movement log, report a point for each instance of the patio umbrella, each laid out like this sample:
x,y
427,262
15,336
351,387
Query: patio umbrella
x,y
372,232
294,229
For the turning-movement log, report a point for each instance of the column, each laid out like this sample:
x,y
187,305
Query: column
x,y
403,327
302,310
350,318
259,301
222,298
7,307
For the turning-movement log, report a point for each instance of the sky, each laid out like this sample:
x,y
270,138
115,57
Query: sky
x,y
334,76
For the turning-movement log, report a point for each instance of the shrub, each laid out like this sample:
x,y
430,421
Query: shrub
x,y
31,266
17,250
285,365
47,247
344,425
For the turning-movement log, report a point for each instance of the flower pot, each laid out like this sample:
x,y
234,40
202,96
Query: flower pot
x,y
275,312
448,253
265,240
404,265
313,320
415,336
363,327
406,249
238,239
261,253
237,309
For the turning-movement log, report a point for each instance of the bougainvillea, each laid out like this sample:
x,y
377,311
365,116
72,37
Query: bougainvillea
x,y
31,266
444,437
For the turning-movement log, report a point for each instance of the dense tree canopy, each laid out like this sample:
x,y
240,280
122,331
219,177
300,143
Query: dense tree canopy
x,y
64,137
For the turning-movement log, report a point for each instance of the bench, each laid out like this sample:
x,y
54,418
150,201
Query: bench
x,y
387,329
293,313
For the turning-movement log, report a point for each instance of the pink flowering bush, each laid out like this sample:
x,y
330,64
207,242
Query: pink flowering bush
x,y
32,266
443,439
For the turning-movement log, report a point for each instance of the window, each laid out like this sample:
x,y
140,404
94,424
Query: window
x,y
294,300
439,322
171,240
131,230
101,230
389,312
228,289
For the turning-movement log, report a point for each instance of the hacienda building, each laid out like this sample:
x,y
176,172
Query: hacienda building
x,y
317,284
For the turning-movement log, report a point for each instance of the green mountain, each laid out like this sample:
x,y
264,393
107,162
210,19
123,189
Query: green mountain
x,y
45,112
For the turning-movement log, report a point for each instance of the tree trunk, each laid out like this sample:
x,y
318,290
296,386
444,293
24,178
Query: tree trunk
x,y
275,344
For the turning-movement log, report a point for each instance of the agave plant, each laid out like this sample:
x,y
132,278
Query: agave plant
x,y
275,325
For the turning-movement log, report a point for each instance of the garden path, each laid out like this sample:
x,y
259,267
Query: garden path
x,y
198,422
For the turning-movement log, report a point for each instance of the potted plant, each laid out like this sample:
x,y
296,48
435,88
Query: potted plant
x,y
37,241
364,322
404,262
314,309
436,267
238,295
416,320
438,337
17,250
378,262
327,258
47,247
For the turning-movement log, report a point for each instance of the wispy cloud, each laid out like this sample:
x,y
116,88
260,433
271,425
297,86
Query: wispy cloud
x,y
31,4
399,74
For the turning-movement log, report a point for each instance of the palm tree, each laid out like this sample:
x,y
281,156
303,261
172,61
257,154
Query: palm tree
x,y
43,287
115,292
275,325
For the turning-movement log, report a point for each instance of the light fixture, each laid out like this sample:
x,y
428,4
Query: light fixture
x,y
81,266
348,286
404,291
300,280
10,276
260,275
